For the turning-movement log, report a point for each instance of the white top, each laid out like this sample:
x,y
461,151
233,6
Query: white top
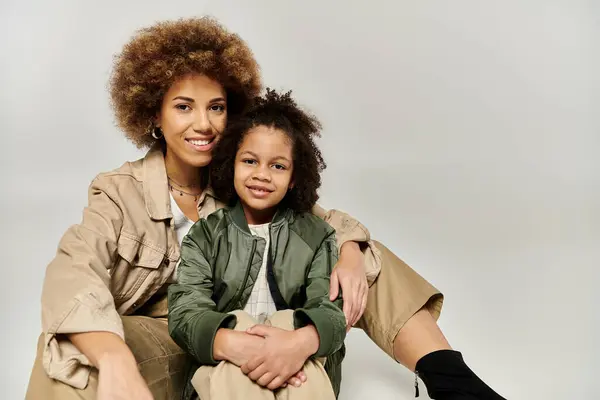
x,y
181,222
182,226
260,304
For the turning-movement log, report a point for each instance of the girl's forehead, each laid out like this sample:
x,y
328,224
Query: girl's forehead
x,y
267,141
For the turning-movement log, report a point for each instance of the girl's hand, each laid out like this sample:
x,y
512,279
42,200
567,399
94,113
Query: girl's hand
x,y
283,354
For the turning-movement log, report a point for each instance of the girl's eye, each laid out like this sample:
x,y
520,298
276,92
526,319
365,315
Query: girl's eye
x,y
249,161
183,107
217,107
279,167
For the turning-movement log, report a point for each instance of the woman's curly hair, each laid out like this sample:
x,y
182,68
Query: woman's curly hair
x,y
160,54
281,112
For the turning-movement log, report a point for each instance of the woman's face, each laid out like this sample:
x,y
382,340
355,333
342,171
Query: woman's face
x,y
193,114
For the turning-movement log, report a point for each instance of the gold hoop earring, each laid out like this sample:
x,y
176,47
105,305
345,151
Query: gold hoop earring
x,y
157,133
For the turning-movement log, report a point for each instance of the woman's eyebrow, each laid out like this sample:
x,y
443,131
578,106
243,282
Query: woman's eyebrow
x,y
184,98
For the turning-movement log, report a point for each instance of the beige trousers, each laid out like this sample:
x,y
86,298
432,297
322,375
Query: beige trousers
x,y
161,362
397,294
227,381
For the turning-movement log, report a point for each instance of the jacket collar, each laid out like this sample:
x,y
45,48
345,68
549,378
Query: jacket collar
x,y
156,186
283,215
154,181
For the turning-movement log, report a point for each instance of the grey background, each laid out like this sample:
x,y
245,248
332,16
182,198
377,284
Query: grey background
x,y
464,134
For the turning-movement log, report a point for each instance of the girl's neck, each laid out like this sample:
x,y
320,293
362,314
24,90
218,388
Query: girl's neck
x,y
258,217
183,174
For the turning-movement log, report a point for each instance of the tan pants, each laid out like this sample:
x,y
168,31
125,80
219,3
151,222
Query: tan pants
x,y
397,294
161,362
227,381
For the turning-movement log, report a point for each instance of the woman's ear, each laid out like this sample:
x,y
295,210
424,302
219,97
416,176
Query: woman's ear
x,y
291,185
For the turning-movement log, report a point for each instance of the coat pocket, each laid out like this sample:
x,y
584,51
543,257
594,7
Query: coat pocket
x,y
138,261
138,254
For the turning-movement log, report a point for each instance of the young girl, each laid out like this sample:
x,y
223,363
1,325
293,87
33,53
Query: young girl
x,y
264,260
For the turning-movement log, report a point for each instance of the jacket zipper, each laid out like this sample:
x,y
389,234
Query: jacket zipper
x,y
241,291
280,302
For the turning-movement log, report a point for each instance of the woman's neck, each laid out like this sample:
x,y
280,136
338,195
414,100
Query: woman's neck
x,y
183,174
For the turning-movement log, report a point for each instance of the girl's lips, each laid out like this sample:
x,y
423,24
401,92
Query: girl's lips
x,y
259,192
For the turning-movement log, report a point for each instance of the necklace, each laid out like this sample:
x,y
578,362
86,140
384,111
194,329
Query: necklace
x,y
182,192
193,185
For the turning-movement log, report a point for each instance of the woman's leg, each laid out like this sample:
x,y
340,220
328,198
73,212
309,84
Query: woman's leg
x,y
42,387
402,309
226,380
317,385
161,362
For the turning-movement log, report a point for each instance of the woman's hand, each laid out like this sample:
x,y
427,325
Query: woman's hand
x,y
118,375
283,355
120,379
349,274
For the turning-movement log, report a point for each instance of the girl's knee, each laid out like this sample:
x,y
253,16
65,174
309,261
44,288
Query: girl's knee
x,y
283,319
244,320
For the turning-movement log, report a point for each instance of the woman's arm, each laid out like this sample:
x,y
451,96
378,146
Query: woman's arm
x,y
100,347
76,296
359,263
119,376
79,318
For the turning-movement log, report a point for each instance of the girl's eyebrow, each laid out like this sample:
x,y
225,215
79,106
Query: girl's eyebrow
x,y
249,152
282,158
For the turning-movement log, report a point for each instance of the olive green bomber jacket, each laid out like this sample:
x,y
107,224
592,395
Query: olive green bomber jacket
x,y
220,261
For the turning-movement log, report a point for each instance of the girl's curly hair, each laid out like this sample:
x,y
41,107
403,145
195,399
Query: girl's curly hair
x,y
281,112
160,54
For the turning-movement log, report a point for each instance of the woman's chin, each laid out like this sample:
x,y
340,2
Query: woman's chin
x,y
199,161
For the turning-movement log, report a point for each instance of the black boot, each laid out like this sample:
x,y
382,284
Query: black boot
x,y
447,377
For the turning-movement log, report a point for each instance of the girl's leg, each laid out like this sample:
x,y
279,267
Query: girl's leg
x,y
401,314
317,385
226,380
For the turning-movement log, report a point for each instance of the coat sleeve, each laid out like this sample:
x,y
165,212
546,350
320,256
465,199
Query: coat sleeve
x,y
326,316
193,319
348,229
76,294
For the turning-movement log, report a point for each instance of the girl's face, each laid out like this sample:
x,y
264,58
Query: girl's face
x,y
263,172
193,114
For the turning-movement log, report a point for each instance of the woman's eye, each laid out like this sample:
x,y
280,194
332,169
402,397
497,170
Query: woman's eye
x,y
217,107
251,162
183,107
279,166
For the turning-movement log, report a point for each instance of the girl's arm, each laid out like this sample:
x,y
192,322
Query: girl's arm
x,y
193,319
319,311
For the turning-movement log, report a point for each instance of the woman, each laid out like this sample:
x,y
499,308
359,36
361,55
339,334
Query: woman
x,y
103,302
